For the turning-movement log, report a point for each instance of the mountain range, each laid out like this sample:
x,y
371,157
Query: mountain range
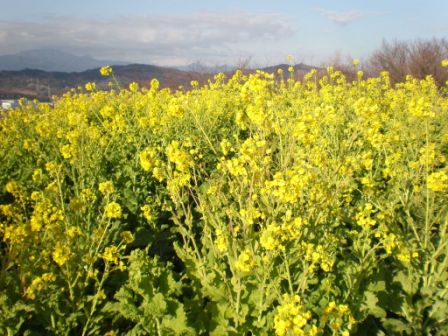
x,y
39,73
50,60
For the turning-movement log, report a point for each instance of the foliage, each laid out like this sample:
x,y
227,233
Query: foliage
x,y
149,299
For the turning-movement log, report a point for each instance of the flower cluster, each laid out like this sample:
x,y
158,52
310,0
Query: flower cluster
x,y
333,191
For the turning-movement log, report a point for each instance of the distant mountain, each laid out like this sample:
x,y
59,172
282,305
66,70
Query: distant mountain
x,y
50,60
301,67
204,69
210,69
43,84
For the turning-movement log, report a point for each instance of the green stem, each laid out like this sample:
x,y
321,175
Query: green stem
x,y
95,299
288,273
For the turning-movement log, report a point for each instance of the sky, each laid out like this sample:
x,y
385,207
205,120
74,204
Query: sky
x,y
177,32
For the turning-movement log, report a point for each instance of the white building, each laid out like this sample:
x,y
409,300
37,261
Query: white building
x,y
7,104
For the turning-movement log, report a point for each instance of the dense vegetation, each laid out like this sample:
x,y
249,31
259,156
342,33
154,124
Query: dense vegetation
x,y
254,205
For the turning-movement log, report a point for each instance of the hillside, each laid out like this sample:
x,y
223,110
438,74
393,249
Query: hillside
x,y
43,84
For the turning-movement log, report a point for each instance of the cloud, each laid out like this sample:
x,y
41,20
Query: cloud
x,y
342,18
150,38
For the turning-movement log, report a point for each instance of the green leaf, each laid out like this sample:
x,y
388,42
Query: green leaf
x,y
178,324
396,326
157,306
371,303
377,286
407,283
439,310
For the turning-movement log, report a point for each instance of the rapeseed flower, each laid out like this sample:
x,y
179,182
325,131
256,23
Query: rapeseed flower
x,y
90,86
105,71
133,87
106,187
245,261
127,237
147,212
61,254
438,181
147,158
111,254
221,241
292,318
113,210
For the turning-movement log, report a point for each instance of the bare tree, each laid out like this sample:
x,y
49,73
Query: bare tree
x,y
425,58
418,58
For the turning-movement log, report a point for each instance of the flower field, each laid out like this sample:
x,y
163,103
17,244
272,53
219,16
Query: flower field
x,y
253,205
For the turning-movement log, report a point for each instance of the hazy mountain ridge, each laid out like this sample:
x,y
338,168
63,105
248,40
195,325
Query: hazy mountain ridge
x,y
50,60
204,68
41,84
285,67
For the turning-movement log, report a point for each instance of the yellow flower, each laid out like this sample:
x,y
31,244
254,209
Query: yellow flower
x,y
248,217
28,144
87,195
226,146
113,210
90,86
221,241
127,237
51,187
111,254
106,71
73,231
245,262
37,175
355,61
437,181
38,285
337,317
178,156
147,158
147,212
101,295
107,111
445,63
7,210
364,216
13,188
291,318
133,87
61,254
52,168
111,333
106,187
154,84
66,151
271,238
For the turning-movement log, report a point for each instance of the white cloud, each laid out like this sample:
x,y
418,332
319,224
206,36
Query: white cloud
x,y
341,18
150,38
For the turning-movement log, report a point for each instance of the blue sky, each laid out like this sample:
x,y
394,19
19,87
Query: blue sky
x,y
172,32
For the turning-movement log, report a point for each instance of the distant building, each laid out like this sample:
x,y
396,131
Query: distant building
x,y
7,104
